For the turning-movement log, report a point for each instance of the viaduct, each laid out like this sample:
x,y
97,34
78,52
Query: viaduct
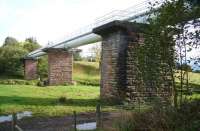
x,y
120,32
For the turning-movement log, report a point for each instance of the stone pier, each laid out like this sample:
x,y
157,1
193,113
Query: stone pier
x,y
120,79
60,64
30,68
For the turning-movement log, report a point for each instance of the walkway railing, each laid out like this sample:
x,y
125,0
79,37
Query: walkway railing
x,y
135,13
114,15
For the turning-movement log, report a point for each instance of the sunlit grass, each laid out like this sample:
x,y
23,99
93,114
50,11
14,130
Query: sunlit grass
x,y
44,100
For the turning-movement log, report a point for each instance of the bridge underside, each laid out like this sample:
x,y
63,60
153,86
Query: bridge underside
x,y
119,66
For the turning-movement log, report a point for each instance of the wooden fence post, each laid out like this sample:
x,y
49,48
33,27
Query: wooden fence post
x,y
14,121
98,115
75,122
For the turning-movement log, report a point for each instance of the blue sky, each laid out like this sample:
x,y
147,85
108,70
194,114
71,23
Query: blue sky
x,y
48,20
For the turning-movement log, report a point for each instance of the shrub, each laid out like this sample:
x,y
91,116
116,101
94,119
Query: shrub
x,y
40,83
184,118
62,99
18,82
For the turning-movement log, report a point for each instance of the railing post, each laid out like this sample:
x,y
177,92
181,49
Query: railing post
x,y
14,121
98,115
75,122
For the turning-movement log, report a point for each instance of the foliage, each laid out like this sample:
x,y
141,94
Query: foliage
x,y
9,41
12,53
96,52
42,67
17,82
185,118
31,44
11,60
167,40
62,99
185,67
77,56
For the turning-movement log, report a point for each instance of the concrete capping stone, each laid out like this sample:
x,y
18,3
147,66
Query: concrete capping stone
x,y
61,50
29,58
119,25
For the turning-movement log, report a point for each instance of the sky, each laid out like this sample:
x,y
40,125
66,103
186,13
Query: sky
x,y
49,20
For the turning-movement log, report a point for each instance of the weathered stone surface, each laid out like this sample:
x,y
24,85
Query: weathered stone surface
x,y
30,69
60,64
120,75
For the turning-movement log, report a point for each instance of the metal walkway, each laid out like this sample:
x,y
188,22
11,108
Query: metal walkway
x,y
137,13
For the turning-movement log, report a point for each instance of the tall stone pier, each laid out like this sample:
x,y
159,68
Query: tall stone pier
x,y
30,68
60,64
120,76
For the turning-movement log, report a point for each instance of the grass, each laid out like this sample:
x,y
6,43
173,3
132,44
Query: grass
x,y
86,73
44,101
17,96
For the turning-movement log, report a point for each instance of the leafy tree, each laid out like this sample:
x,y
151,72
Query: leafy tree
x,y
185,67
167,40
77,56
10,41
12,53
96,52
31,44
10,60
43,67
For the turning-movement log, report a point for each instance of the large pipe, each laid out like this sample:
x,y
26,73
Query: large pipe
x,y
83,40
86,38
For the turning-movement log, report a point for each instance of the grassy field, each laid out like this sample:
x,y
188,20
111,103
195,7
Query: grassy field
x,y
86,73
44,101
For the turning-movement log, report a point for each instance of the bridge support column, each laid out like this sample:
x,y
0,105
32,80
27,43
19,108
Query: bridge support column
x,y
30,68
120,79
60,64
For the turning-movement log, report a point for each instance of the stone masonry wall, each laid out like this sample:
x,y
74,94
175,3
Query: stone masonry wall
x,y
141,90
60,67
30,70
113,70
121,78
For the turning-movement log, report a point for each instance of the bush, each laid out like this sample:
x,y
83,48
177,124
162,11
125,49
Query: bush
x,y
185,118
43,67
40,83
10,60
17,82
62,99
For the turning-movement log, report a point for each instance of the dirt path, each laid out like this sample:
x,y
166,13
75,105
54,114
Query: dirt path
x,y
59,123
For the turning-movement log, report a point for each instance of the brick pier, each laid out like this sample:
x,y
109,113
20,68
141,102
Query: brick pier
x,y
60,64
30,68
120,77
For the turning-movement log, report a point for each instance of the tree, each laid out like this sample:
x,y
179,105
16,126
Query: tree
x,y
168,39
31,44
10,60
96,51
185,67
10,41
43,67
11,54
77,56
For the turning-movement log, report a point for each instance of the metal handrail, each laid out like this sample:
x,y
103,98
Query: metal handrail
x,y
131,13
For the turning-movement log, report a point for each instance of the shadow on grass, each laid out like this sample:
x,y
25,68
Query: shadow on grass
x,y
16,100
191,85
